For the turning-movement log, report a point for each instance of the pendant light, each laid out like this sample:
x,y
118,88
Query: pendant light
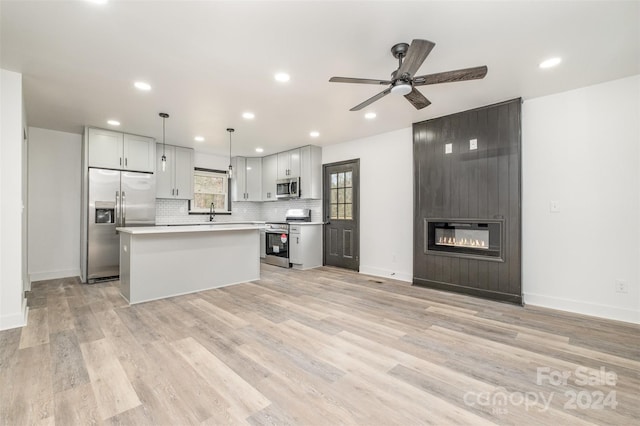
x,y
230,130
164,157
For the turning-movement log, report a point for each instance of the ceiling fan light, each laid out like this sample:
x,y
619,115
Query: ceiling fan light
x,y
401,89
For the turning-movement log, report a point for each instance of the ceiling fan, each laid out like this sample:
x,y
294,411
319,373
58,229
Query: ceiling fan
x,y
403,81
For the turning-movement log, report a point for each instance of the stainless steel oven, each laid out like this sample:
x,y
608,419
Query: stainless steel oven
x,y
277,244
276,239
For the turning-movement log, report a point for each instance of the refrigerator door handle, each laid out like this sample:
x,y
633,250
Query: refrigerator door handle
x,y
123,206
117,211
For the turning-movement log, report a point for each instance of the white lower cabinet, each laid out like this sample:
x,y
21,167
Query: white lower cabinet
x,y
305,246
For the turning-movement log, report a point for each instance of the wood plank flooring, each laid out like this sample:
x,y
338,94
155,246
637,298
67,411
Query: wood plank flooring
x,y
318,347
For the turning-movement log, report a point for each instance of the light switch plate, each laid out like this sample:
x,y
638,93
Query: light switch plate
x,y
473,144
448,148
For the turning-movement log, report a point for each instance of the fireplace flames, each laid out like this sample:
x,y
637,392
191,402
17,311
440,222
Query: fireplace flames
x,y
462,242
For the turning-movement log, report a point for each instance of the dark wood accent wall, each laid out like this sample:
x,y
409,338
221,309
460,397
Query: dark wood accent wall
x,y
470,184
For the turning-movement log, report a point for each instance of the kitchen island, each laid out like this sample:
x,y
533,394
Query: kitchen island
x,y
164,261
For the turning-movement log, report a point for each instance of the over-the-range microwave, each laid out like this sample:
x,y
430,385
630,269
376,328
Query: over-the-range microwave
x,y
288,188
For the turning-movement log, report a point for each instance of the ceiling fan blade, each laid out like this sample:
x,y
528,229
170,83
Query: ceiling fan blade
x,y
417,53
417,99
371,100
358,80
450,76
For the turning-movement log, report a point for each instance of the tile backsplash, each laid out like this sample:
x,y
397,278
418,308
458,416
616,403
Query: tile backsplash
x,y
177,211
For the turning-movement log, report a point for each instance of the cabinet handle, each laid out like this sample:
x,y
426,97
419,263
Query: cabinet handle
x,y
121,161
177,191
173,191
125,161
297,240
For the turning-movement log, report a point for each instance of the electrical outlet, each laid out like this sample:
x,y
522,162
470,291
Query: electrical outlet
x,y
448,148
554,206
473,144
621,286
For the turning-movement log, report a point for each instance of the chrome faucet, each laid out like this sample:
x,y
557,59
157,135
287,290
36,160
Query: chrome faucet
x,y
212,213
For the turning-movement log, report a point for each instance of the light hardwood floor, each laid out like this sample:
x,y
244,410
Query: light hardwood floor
x,y
319,347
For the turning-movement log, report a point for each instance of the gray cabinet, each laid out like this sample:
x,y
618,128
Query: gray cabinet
x,y
176,181
120,151
269,177
305,246
246,183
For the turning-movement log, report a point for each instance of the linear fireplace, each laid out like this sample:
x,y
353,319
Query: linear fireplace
x,y
471,238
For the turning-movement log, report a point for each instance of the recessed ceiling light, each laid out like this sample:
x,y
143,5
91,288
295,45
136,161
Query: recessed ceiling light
x,y
248,115
370,115
198,139
141,85
259,150
314,134
98,1
282,77
113,122
549,63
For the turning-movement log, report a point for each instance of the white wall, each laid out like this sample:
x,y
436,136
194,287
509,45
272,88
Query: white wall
x,y
581,148
210,161
12,302
386,200
54,204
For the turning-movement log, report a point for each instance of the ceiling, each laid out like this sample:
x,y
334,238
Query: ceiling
x,y
210,61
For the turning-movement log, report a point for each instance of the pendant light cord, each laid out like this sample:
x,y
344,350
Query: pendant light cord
x,y
230,130
164,116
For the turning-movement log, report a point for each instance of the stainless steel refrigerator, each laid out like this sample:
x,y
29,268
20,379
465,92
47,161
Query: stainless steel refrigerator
x,y
116,199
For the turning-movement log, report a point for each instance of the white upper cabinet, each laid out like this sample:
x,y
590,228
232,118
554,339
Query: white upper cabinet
x,y
289,164
246,183
269,177
176,181
105,149
254,179
139,153
310,165
184,172
115,150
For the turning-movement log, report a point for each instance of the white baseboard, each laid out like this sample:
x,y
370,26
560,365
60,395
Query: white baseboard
x,y
378,272
52,275
585,308
16,320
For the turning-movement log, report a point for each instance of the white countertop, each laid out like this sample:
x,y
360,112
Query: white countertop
x,y
215,222
173,229
305,223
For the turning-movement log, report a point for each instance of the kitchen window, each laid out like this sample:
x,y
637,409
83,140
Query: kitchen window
x,y
210,186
